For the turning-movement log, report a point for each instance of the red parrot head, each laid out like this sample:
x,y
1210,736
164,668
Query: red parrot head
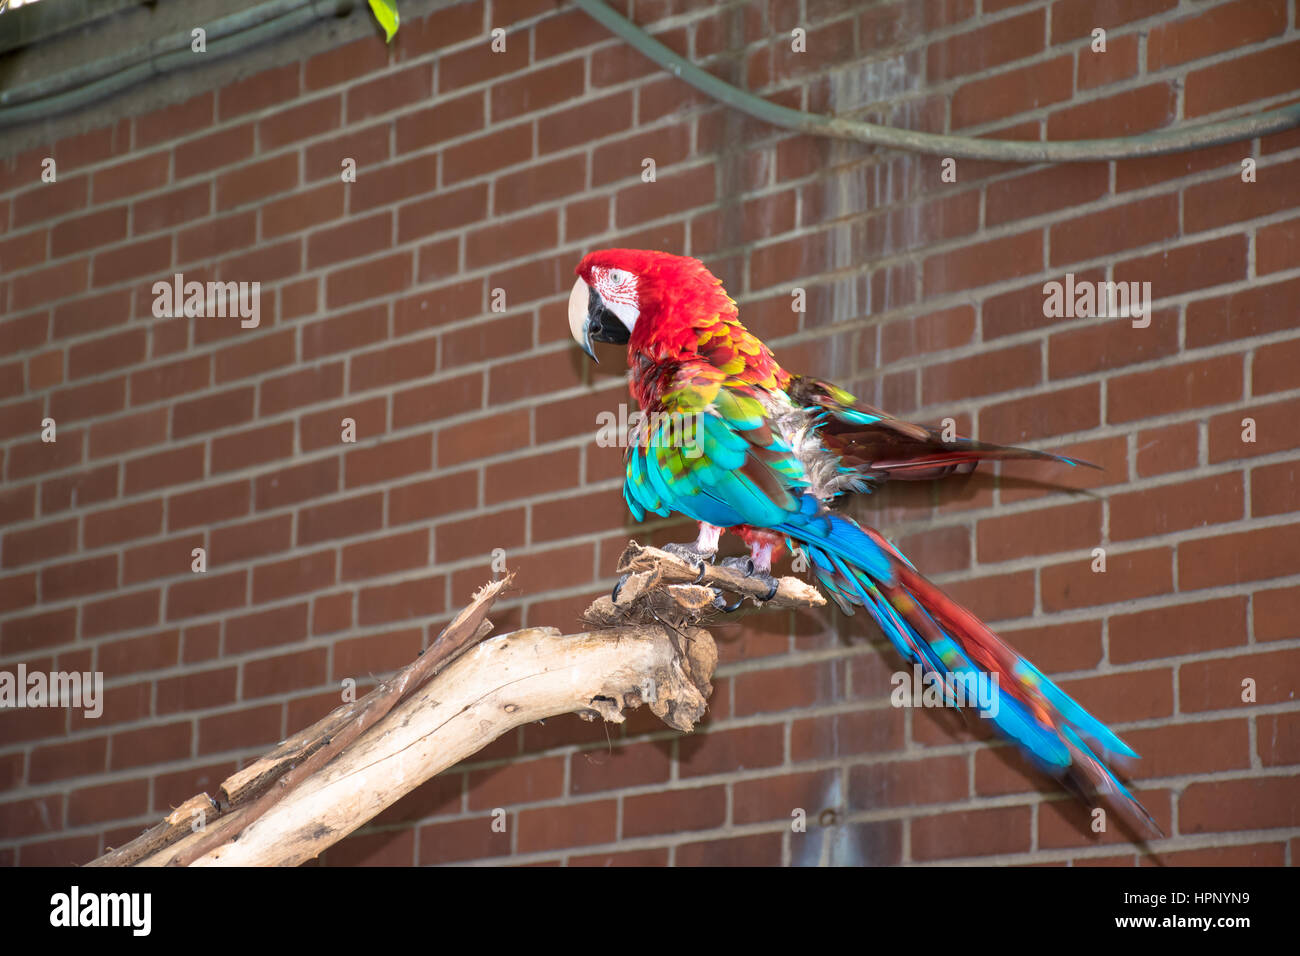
x,y
640,297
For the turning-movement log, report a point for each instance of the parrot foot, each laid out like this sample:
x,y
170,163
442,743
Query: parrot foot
x,y
746,567
692,555
689,553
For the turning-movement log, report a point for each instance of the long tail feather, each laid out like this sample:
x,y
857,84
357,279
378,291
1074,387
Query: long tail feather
x,y
884,454
859,567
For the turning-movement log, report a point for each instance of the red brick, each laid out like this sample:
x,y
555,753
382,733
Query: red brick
x,y
388,92
1181,629
343,63
759,849
54,282
176,466
275,675
217,237
369,280
1276,246
1245,79
39,544
1228,805
1014,91
205,593
476,537
1168,449
1251,555
1042,416
86,576
257,181
172,122
170,209
1258,310
1072,19
1041,531
257,92
20,635
576,825
673,811
1225,27
1139,223
972,833
461,840
537,90
225,147
398,552
1172,388
208,505
117,801
983,263
567,128
135,175
251,539
1118,62
99,228
1127,576
279,579
1101,344
975,51
300,122
727,751
140,519
263,629
155,744
899,783
366,147
128,433
521,782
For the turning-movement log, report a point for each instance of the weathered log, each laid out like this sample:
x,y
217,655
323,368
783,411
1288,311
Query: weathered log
x,y
321,784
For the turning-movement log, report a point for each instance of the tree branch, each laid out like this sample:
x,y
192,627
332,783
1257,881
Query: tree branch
x,y
458,696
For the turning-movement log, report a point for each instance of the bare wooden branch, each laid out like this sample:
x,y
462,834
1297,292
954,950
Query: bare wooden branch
x,y
249,793
324,782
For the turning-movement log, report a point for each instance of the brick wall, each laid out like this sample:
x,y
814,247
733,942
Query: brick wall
x,y
480,171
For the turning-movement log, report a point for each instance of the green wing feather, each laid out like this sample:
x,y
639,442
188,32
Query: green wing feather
x,y
709,452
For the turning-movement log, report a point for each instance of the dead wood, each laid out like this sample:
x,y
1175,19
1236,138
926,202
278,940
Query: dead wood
x,y
651,647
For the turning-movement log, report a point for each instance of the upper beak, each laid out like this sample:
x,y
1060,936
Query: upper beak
x,y
590,321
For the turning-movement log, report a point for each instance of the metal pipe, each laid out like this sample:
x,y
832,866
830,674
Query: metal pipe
x,y
941,144
229,34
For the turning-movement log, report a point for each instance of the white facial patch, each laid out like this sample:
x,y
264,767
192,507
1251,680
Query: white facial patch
x,y
617,289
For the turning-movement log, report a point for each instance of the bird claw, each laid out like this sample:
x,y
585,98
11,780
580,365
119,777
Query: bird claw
x,y
721,603
692,556
746,567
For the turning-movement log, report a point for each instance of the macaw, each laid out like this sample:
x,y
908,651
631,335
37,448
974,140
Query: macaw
x,y
740,444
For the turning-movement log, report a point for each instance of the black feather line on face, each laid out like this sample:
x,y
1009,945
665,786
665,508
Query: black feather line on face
x,y
602,324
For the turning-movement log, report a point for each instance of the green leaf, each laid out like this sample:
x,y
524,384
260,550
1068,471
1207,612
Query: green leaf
x,y
385,12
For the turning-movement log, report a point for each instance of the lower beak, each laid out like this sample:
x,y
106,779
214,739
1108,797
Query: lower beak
x,y
590,321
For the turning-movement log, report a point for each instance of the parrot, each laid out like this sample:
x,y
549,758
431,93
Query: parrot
x,y
730,439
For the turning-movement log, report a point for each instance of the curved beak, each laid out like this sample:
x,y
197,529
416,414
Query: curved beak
x,y
590,321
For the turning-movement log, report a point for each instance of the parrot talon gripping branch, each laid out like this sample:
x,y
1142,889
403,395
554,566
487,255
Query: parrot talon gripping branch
x,y
769,450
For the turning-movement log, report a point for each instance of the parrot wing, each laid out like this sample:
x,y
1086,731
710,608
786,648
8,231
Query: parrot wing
x,y
878,445
710,452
